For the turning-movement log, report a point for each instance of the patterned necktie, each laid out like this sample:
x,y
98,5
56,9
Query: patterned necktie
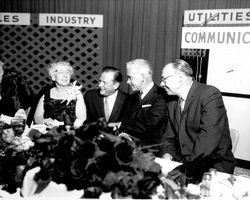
x,y
106,109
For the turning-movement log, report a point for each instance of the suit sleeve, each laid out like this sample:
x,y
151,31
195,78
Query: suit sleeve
x,y
144,120
213,124
171,144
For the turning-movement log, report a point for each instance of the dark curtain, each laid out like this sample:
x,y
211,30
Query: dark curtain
x,y
149,29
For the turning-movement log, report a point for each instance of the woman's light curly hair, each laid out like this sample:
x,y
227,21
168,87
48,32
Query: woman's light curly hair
x,y
52,68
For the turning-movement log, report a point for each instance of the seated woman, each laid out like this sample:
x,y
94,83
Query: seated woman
x,y
64,98
15,94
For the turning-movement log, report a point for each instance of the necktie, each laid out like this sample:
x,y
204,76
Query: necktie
x,y
182,103
179,109
106,108
140,95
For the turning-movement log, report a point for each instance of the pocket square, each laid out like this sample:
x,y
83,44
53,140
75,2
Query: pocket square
x,y
146,105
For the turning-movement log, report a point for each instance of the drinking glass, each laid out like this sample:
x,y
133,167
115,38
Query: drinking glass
x,y
18,126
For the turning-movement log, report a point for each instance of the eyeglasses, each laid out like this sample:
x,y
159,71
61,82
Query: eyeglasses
x,y
163,79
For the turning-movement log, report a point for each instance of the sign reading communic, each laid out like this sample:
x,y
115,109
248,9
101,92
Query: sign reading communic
x,y
15,18
78,20
211,37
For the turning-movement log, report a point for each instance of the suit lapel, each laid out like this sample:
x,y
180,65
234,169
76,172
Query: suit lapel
x,y
117,106
190,96
100,105
149,95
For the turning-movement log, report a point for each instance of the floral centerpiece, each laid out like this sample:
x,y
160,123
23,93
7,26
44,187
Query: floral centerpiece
x,y
90,158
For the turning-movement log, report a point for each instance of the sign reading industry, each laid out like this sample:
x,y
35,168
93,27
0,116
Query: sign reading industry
x,y
48,19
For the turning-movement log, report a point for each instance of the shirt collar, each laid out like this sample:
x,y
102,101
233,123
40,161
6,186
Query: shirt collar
x,y
185,91
146,90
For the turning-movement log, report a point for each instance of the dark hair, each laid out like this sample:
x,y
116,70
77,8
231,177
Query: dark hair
x,y
182,66
117,73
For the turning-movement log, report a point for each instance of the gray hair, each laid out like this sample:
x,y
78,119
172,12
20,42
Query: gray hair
x,y
182,66
143,66
52,70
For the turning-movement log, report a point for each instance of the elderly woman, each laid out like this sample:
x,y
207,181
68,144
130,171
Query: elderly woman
x,y
65,99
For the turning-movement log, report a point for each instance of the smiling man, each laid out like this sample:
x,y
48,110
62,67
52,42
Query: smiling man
x,y
107,101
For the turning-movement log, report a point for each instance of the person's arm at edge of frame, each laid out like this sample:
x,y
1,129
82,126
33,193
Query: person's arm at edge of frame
x,y
38,116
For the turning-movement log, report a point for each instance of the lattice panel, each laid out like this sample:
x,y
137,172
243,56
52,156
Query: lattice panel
x,y
31,48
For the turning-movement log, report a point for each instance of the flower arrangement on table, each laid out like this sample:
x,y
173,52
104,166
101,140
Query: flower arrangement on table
x,y
89,158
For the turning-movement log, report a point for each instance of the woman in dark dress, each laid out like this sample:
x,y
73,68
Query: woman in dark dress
x,y
15,93
64,98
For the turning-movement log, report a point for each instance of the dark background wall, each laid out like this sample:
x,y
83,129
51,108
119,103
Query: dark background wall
x,y
149,29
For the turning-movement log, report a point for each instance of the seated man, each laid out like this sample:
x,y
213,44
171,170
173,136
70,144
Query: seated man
x,y
145,117
107,101
197,120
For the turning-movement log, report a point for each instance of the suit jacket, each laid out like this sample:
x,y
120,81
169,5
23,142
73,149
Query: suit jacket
x,y
95,106
202,129
146,119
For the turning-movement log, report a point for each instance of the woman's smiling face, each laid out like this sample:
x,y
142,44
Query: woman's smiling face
x,y
62,74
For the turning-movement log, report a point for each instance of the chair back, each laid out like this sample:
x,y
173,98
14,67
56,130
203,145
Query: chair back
x,y
235,138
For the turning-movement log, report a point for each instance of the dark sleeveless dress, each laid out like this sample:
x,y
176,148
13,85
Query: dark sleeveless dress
x,y
56,109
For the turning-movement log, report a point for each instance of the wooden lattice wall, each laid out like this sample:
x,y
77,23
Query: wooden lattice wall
x,y
31,48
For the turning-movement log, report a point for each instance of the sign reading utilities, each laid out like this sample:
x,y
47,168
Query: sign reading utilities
x,y
47,19
217,16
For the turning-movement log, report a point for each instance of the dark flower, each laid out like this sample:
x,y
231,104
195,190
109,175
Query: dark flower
x,y
92,192
124,151
147,186
89,158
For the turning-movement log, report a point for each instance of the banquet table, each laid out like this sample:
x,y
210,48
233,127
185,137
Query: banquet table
x,y
221,188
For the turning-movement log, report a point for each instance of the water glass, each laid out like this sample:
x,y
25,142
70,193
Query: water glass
x,y
18,126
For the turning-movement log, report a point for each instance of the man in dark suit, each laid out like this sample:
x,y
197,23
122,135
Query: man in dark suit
x,y
145,120
197,119
109,93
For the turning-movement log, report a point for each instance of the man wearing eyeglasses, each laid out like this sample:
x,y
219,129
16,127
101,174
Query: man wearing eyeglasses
x,y
197,120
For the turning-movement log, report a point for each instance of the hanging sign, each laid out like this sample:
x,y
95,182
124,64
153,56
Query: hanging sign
x,y
47,19
217,16
212,37
15,18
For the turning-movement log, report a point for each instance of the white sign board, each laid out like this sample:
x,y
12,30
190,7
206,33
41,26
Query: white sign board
x,y
46,19
228,69
15,18
217,16
214,37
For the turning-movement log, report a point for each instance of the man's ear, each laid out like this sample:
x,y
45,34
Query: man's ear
x,y
116,85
